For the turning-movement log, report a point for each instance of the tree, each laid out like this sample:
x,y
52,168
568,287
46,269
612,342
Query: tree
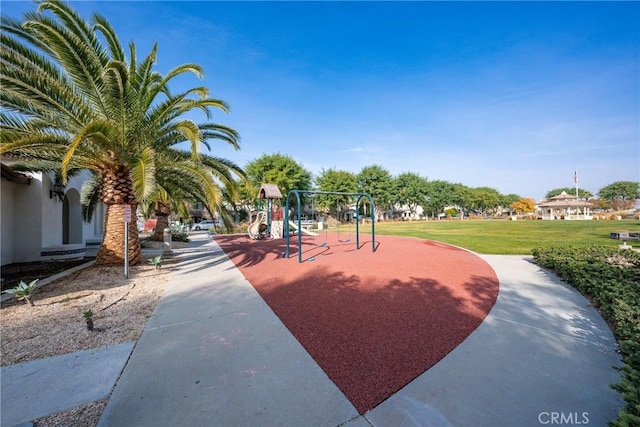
x,y
509,199
582,193
184,180
484,199
523,205
621,194
278,169
378,182
244,200
410,189
461,197
334,181
506,200
439,195
165,201
69,99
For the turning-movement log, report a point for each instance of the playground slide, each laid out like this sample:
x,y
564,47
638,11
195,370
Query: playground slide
x,y
254,227
303,231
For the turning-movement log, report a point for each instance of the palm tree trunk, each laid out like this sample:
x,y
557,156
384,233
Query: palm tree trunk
x,y
162,212
117,191
111,251
158,232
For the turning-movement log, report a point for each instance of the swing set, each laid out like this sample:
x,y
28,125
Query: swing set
x,y
359,197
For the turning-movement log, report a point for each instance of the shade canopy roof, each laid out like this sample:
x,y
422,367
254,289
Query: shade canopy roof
x,y
269,191
564,200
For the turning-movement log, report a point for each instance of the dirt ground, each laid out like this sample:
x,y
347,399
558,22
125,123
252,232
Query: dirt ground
x,y
55,325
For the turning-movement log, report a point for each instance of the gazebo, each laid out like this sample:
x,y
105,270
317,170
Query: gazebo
x,y
565,206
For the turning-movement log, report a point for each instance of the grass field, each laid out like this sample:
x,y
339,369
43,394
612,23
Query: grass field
x,y
509,237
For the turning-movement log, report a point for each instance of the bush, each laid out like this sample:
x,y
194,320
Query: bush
x,y
611,279
23,291
179,236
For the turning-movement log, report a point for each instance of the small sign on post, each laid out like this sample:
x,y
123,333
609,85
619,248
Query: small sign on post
x,y
127,220
127,213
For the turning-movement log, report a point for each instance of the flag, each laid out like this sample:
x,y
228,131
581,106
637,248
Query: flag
x,y
575,177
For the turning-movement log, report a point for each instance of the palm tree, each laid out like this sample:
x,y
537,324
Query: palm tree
x,y
72,100
178,179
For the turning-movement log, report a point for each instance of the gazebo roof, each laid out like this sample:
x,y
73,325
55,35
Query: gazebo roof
x,y
269,191
565,203
564,196
564,200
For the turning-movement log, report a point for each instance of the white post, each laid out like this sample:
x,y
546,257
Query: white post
x,y
127,220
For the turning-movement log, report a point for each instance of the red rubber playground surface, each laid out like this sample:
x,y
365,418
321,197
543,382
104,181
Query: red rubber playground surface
x,y
372,321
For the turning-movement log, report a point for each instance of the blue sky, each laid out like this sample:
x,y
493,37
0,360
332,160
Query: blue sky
x,y
514,96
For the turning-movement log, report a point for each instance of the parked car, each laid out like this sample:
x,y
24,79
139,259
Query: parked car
x,y
204,225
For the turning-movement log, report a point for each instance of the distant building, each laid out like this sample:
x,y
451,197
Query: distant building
x,y
565,206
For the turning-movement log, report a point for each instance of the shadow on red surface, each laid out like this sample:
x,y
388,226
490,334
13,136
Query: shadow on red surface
x,y
372,321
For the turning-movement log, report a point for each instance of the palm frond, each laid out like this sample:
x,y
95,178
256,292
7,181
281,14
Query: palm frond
x,y
143,173
103,26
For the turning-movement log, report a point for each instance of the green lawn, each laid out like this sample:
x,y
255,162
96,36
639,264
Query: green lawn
x,y
510,237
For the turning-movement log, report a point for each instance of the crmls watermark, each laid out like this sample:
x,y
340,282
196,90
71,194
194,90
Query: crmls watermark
x,y
563,418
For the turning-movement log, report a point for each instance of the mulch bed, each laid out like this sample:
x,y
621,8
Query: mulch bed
x,y
13,274
372,321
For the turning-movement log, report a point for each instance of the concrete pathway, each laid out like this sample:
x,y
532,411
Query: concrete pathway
x,y
34,389
542,355
214,353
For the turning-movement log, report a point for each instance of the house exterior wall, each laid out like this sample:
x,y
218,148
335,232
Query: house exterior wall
x,y
36,227
51,213
7,202
21,221
402,212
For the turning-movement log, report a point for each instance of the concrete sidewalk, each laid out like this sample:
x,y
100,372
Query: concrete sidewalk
x,y
542,354
34,389
214,353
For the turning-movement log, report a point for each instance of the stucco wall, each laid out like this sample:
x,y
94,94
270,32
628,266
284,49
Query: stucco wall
x,y
51,215
89,230
32,222
27,230
7,194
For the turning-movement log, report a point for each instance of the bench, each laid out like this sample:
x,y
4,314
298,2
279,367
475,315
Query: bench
x,y
625,235
307,224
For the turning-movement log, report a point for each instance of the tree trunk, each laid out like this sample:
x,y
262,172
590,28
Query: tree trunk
x,y
111,251
158,232
162,212
117,190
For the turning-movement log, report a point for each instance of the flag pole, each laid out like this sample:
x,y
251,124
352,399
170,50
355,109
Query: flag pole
x,y
575,180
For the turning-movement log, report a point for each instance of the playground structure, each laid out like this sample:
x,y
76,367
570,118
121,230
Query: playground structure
x,y
298,224
268,222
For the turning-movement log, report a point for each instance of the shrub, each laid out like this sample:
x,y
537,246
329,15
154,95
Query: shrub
x,y
88,317
610,278
178,236
23,291
156,261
